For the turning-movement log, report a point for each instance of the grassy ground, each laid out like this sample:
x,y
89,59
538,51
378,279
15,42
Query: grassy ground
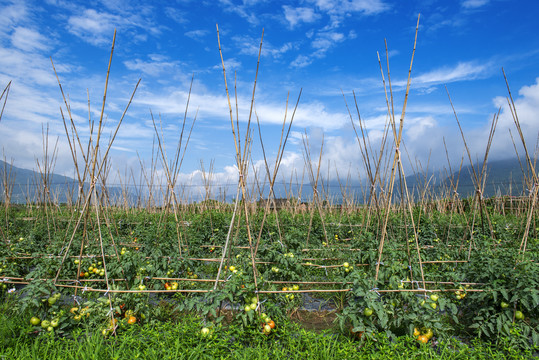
x,y
183,341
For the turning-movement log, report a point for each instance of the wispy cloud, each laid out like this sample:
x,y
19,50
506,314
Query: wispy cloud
x,y
196,34
177,15
298,15
243,10
93,26
461,72
302,61
154,66
29,40
337,10
322,42
250,46
96,26
27,68
473,4
329,36
325,40
231,65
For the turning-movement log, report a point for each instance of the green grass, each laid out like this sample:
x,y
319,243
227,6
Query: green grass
x,y
182,341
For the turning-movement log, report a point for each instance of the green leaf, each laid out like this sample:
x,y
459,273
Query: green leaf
x,y
535,297
525,302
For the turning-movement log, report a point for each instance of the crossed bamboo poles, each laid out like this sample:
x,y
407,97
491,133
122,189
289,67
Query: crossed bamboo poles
x,y
91,157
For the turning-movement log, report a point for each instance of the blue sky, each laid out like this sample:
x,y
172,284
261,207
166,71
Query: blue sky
x,y
326,48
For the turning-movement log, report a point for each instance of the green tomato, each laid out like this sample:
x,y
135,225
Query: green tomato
x,y
367,312
519,315
504,305
35,321
434,297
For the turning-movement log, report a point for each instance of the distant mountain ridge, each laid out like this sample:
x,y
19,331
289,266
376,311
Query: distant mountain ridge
x,y
25,184
503,177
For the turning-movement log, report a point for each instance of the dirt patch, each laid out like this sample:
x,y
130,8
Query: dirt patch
x,y
315,320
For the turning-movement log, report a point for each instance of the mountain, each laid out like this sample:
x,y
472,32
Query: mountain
x,y
503,177
27,185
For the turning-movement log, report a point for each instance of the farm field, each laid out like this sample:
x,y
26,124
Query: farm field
x,y
134,273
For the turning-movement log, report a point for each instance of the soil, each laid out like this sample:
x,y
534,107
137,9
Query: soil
x,y
315,320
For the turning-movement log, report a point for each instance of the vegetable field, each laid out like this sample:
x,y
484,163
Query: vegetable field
x,y
131,270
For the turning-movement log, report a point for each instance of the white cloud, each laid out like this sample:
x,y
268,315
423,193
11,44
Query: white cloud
x,y
302,61
95,27
176,15
241,10
295,16
29,40
11,14
156,65
250,46
25,67
418,127
231,65
325,40
196,34
463,71
343,7
322,43
473,4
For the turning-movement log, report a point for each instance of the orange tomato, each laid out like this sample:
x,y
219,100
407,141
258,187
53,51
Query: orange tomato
x,y
272,324
422,339
132,320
